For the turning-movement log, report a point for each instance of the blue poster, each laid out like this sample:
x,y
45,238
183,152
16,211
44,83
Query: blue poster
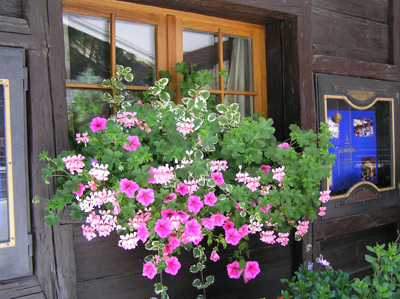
x,y
354,140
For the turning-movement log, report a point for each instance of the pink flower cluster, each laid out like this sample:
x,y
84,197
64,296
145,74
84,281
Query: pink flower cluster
x,y
251,270
185,126
219,165
128,120
103,224
99,172
84,139
251,182
97,199
302,228
162,175
322,211
268,237
325,196
74,163
283,239
279,174
133,143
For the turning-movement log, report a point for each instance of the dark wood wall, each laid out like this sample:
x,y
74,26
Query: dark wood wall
x,y
344,37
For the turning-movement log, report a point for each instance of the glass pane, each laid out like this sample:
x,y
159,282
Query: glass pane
x,y
136,48
245,104
87,48
238,63
4,224
201,49
76,99
133,96
362,142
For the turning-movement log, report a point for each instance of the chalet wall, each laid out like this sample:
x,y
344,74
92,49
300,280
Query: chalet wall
x,y
350,38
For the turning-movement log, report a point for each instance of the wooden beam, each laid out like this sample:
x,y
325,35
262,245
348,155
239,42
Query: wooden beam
x,y
8,39
8,24
354,68
47,124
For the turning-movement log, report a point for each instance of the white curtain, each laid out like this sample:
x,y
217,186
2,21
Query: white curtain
x,y
240,75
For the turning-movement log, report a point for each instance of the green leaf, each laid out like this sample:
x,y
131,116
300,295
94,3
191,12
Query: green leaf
x,y
203,78
129,77
181,68
197,283
221,108
194,269
51,219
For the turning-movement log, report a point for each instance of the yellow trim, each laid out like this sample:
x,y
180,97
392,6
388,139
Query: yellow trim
x,y
393,143
10,184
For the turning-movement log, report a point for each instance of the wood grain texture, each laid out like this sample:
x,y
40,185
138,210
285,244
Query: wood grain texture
x,y
11,8
347,252
354,68
104,270
376,10
336,34
357,223
26,288
16,25
8,39
47,127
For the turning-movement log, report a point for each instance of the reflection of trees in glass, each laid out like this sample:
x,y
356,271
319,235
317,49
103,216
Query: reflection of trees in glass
x,y
142,69
86,51
84,104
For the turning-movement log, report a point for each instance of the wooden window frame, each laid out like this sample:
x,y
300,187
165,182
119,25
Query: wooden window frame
x,y
169,26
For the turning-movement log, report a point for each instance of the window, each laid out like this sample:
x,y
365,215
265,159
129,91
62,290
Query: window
x,y
150,39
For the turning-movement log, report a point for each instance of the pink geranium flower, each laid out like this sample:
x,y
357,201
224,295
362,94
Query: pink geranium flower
x,y
149,270
194,204
163,228
128,187
82,188
234,270
98,123
214,256
145,196
251,271
265,168
173,265
133,143
182,189
232,236
210,199
284,145
217,177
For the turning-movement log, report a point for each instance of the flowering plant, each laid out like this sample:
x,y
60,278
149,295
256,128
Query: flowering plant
x,y
383,283
167,175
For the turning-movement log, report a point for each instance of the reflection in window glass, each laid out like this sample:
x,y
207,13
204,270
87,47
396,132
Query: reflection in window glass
x,y
246,107
201,48
362,142
136,48
87,48
76,99
4,222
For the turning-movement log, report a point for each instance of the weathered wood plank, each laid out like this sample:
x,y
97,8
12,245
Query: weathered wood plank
x,y
9,24
274,260
305,79
250,11
376,10
273,48
8,39
347,252
45,117
335,34
27,287
354,68
11,8
357,223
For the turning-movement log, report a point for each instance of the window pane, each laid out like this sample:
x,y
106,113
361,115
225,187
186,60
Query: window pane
x,y
245,104
87,48
202,49
136,48
76,98
4,225
237,56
